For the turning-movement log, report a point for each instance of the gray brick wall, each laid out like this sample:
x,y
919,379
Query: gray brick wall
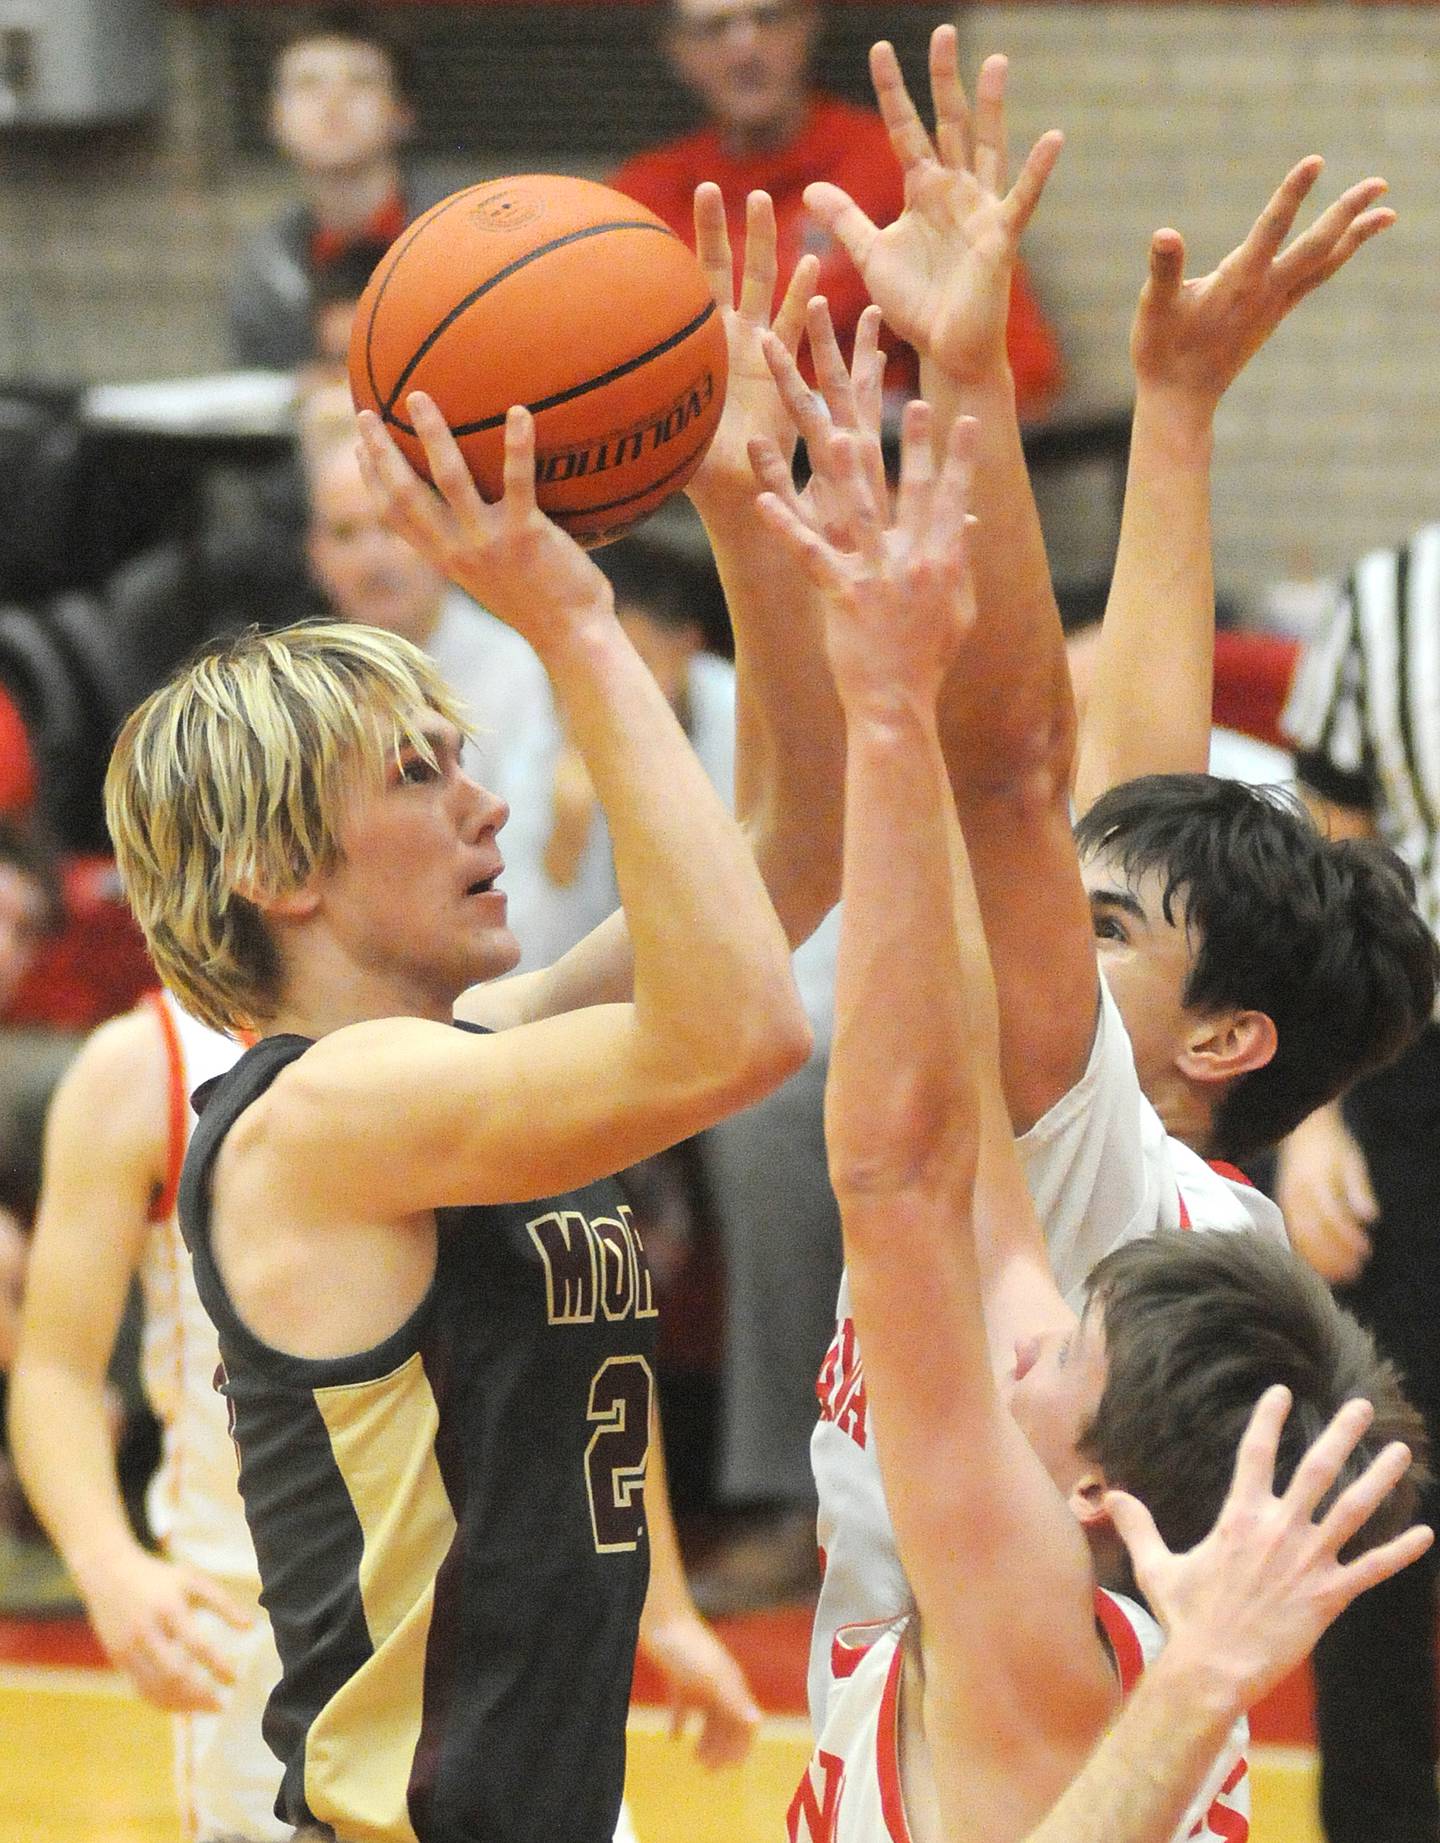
x,y
112,257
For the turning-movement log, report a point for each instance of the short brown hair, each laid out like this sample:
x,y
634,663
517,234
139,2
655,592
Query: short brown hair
x,y
1198,1324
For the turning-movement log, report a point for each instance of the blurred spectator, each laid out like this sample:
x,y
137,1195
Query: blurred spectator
x,y
334,296
1359,1181
748,64
339,114
366,573
17,761
764,1170
32,916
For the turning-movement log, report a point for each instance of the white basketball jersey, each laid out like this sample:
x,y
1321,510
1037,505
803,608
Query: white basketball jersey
x,y
193,1502
852,1792
1102,1171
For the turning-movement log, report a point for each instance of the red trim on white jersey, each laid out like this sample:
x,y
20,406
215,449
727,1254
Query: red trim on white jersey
x,y
177,1114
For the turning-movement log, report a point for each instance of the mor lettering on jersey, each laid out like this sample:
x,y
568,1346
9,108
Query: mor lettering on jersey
x,y
592,1265
815,1809
840,1385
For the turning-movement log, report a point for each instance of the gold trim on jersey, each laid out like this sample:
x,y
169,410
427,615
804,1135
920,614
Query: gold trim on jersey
x,y
361,1746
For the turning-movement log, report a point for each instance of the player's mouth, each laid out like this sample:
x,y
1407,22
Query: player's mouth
x,y
484,886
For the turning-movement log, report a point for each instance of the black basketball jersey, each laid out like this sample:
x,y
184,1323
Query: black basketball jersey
x,y
450,1527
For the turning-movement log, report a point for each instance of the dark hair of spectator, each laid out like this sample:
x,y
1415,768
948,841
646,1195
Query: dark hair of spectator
x,y
28,847
1321,935
355,24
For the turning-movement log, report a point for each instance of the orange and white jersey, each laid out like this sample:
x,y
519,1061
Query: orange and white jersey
x,y
193,1501
852,1790
1102,1171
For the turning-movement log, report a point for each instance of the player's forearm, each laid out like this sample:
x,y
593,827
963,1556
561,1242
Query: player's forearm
x,y
902,1096
61,1443
1139,1782
712,980
1007,718
789,732
1149,706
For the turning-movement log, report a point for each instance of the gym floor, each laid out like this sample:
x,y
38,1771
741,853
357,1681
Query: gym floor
x,y
82,1760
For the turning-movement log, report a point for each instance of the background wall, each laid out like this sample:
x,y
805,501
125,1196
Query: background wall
x,y
114,247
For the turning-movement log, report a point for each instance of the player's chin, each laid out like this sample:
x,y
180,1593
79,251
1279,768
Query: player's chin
x,y
500,953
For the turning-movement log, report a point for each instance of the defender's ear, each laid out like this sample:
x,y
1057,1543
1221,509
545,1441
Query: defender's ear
x,y
1233,1043
1087,1499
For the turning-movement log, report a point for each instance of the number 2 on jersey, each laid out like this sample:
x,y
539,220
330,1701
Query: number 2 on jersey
x,y
620,1393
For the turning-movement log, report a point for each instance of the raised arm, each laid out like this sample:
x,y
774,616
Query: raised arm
x,y
788,742
941,274
560,1099
1149,707
104,1162
920,1149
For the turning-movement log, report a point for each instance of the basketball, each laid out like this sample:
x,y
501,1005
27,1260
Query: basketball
x,y
570,298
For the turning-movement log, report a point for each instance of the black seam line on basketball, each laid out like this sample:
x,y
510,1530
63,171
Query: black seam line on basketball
x,y
575,390
612,505
500,275
393,256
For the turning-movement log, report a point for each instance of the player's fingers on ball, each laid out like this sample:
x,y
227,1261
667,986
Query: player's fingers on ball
x,y
757,281
712,243
788,325
1323,1460
991,153
519,473
908,136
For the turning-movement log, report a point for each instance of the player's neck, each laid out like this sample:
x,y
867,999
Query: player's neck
x,y
345,201
324,991
1185,1109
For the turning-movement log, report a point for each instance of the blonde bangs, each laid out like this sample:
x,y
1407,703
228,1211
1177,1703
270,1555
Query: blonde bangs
x,y
228,785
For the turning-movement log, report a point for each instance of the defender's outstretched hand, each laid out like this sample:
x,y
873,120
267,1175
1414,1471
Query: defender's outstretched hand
x,y
1256,1594
752,407
940,273
509,556
1194,337
844,401
896,587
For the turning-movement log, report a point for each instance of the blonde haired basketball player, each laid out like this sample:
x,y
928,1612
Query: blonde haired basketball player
x,y
1003,1422
433,1310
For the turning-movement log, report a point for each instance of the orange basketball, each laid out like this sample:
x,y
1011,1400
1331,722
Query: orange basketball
x,y
572,299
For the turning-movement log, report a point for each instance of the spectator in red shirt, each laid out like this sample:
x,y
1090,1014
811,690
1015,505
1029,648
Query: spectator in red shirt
x,y
748,61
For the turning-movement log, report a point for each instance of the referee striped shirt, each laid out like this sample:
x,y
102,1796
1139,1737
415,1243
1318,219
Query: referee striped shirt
x,y
1364,709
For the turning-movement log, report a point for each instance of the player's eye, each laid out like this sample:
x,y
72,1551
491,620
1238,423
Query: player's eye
x,y
415,770
1107,927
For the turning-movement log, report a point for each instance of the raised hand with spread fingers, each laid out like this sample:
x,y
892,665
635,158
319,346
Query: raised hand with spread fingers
x,y
1149,706
941,272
